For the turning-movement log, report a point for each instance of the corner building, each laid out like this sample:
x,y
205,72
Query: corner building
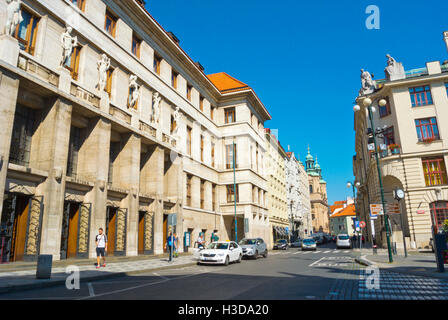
x,y
112,125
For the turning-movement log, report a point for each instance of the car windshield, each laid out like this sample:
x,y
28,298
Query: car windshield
x,y
308,241
219,246
248,241
343,237
281,241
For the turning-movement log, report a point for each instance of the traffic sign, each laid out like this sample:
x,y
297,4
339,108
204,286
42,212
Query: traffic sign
x,y
362,224
393,208
376,209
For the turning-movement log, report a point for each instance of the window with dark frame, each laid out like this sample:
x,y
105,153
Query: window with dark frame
x,y
389,136
434,170
201,103
229,114
230,151
172,124
189,130
26,31
202,194
386,110
212,113
73,151
439,213
202,148
72,64
231,193
174,77
189,178
156,64
22,134
110,23
108,87
421,96
214,197
189,89
427,129
79,3
213,154
136,44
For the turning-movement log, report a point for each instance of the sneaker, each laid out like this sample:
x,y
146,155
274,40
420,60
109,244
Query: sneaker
x,y
98,267
104,265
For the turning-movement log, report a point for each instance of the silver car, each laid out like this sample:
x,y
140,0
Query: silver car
x,y
254,247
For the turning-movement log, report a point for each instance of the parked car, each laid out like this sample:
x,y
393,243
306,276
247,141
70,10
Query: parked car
x,y
309,244
254,247
319,240
281,245
343,241
297,243
221,252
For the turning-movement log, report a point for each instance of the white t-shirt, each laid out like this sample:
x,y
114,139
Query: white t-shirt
x,y
101,239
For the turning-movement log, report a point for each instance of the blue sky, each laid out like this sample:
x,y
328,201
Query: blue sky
x,y
304,60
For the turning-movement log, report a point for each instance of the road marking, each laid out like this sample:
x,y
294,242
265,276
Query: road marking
x,y
307,252
317,252
346,251
327,251
336,251
150,284
91,291
297,252
158,275
315,262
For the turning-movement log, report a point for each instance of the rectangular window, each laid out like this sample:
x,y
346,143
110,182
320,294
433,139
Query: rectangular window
x,y
389,136
156,64
189,89
73,150
22,134
202,148
230,152
213,155
26,31
231,193
110,23
427,129
136,43
385,111
72,63
189,130
420,96
214,197
229,114
189,178
202,194
109,82
212,113
201,103
435,171
173,125
81,4
174,76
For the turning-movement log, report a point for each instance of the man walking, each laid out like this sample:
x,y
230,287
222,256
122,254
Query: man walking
x,y
170,245
101,248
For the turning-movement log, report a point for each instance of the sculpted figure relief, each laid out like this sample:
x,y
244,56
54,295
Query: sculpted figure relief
x,y
368,84
68,44
394,69
134,93
156,107
14,16
177,118
103,66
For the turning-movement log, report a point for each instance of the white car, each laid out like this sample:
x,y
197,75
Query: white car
x,y
221,252
309,244
343,241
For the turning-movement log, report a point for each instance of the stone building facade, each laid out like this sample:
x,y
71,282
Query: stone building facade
x,y
107,122
277,196
414,153
320,209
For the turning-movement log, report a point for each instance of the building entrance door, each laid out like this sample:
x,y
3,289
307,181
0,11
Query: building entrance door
x,y
70,230
141,232
165,230
14,227
111,230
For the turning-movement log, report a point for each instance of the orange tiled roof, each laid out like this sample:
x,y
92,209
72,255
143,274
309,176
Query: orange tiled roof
x,y
348,211
226,83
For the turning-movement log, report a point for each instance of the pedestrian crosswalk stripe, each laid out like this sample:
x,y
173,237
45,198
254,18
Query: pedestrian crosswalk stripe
x,y
327,251
347,251
336,251
317,252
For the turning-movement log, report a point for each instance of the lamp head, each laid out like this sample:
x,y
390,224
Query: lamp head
x,y
367,102
356,108
382,102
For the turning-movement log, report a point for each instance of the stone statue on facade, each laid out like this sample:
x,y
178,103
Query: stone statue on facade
x,y
103,66
134,92
156,107
68,44
368,84
14,16
394,69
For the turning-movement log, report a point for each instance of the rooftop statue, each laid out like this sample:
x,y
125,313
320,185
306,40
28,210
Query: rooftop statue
x,y
14,16
103,66
394,69
368,84
68,44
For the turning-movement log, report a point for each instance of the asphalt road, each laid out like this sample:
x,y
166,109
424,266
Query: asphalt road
x,y
284,275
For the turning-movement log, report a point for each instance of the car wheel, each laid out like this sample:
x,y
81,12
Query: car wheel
x,y
199,263
265,255
227,261
239,259
256,255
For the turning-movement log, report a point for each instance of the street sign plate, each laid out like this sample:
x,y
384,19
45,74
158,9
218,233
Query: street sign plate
x,y
393,208
362,224
376,209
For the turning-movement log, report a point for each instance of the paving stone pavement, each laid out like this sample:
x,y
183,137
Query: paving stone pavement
x,y
357,284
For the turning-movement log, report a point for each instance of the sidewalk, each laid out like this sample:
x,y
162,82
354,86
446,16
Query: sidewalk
x,y
418,264
22,275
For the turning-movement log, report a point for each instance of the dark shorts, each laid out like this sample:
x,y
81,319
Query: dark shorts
x,y
100,252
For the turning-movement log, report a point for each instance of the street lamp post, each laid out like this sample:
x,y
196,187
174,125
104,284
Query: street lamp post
x,y
354,185
234,191
367,102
